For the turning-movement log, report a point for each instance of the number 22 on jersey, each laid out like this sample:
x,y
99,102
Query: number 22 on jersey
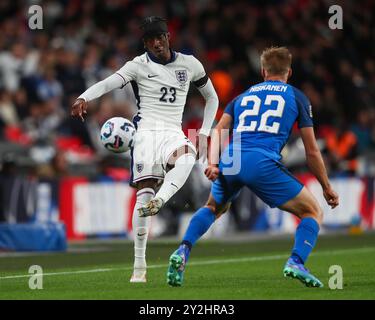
x,y
263,126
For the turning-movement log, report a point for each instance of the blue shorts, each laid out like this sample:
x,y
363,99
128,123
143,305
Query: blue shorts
x,y
266,177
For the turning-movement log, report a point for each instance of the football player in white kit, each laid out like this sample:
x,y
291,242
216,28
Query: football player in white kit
x,y
160,78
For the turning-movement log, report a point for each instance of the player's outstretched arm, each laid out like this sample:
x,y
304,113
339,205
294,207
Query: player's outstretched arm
x,y
316,165
220,133
79,107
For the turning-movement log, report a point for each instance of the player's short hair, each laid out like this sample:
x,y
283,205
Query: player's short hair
x,y
276,60
153,26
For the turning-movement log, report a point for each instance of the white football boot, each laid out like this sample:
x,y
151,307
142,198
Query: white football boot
x,y
151,208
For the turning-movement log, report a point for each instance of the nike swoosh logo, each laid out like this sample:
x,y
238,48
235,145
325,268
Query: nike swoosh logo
x,y
308,243
152,76
141,234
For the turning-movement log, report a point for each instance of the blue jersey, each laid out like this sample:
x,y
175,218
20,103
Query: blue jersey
x,y
264,115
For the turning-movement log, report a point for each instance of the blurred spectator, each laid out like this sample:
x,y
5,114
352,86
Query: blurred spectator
x,y
17,63
57,168
364,130
8,111
49,88
17,192
342,148
223,84
69,73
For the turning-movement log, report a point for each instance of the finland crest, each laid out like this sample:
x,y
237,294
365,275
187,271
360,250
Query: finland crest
x,y
181,76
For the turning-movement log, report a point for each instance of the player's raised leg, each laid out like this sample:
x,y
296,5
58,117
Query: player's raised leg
x,y
304,206
179,169
141,227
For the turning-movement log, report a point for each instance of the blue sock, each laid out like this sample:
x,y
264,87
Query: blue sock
x,y
305,239
199,224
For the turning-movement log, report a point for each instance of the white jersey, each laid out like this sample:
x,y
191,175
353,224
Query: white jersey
x,y
161,90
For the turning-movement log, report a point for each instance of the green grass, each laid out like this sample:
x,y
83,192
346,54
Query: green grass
x,y
216,270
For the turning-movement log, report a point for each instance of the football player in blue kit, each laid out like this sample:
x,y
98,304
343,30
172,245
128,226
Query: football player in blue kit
x,y
261,119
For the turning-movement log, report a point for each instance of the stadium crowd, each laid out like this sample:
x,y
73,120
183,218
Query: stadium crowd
x,y
43,71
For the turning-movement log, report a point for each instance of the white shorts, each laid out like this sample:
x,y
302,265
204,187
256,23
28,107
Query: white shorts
x,y
151,152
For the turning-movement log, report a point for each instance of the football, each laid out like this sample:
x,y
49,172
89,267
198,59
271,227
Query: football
x,y
117,134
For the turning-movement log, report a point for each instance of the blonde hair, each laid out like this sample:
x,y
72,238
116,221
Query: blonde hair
x,y
276,60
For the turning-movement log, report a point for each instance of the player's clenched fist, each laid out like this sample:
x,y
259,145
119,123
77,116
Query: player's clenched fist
x,y
212,172
79,109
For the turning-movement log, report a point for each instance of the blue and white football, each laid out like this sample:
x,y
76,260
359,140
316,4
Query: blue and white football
x,y
117,134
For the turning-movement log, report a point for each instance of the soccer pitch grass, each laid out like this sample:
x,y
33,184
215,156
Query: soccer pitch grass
x,y
237,269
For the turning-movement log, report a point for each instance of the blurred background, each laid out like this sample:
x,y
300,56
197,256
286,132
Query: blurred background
x,y
53,170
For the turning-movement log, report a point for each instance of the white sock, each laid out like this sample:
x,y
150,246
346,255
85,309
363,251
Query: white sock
x,y
141,228
176,177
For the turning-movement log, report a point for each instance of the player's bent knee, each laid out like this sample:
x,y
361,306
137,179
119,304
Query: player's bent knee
x,y
217,209
304,205
318,214
224,208
212,208
314,211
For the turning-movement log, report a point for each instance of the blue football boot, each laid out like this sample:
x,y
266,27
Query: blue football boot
x,y
176,268
298,271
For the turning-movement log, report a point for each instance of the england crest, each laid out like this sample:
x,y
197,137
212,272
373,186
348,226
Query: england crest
x,y
139,167
181,76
